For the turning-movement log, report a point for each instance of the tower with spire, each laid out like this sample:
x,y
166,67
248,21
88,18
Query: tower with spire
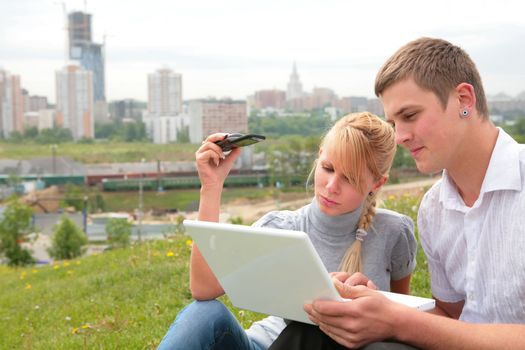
x,y
295,88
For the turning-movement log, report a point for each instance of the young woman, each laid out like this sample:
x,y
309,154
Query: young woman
x,y
342,221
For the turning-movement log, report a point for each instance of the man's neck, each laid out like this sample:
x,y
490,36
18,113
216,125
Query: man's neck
x,y
468,172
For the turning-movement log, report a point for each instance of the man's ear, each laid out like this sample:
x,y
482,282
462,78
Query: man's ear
x,y
466,96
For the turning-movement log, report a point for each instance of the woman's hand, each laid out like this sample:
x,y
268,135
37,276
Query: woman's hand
x,y
212,164
343,281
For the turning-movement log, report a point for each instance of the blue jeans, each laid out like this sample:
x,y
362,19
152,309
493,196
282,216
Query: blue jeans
x,y
206,325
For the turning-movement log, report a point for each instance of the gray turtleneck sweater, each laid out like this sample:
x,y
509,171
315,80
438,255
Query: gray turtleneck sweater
x,y
388,252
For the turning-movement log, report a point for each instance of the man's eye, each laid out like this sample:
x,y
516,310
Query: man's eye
x,y
410,116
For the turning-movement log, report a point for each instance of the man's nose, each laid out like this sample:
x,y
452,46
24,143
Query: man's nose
x,y
402,135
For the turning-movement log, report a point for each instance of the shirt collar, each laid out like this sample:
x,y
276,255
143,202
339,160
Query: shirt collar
x,y
333,225
504,156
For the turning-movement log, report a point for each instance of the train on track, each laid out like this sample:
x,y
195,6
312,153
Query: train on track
x,y
151,181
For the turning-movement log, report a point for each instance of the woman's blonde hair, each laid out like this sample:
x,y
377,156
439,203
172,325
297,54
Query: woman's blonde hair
x,y
361,144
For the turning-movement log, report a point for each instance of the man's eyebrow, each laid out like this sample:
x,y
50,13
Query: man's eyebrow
x,y
401,111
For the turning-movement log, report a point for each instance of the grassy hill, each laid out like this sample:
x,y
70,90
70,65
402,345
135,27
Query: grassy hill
x,y
121,299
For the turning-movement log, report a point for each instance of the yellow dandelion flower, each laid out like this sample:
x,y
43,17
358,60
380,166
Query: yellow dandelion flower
x,y
34,271
170,253
391,197
85,326
28,286
74,330
78,262
56,267
66,263
69,272
189,242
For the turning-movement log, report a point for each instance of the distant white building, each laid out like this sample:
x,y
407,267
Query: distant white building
x,y
74,110
165,129
164,119
164,93
11,104
295,88
46,119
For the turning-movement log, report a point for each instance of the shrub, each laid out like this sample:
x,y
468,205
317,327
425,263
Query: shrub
x,y
68,240
119,232
15,227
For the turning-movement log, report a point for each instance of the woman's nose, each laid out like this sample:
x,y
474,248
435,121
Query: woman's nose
x,y
332,184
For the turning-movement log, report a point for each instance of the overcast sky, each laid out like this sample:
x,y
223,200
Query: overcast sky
x,y
235,47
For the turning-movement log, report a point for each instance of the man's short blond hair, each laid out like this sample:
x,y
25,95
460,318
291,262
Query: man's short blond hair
x,y
435,65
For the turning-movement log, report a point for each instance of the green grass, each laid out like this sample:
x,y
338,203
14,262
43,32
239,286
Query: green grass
x,y
180,199
104,152
420,283
121,299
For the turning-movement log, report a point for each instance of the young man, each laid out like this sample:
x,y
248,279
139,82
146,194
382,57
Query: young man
x,y
471,222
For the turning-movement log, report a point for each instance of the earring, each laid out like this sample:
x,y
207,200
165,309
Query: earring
x,y
370,194
464,113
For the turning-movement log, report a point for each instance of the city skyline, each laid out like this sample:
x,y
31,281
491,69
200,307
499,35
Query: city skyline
x,y
235,48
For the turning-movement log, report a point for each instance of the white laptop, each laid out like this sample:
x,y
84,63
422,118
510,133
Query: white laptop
x,y
271,271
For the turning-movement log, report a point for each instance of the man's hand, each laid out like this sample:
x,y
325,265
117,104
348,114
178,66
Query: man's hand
x,y
368,317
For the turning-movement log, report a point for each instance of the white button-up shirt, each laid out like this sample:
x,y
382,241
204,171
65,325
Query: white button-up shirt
x,y
477,253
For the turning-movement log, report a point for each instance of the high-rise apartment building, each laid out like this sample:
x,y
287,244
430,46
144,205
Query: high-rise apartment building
x,y
211,116
11,104
37,103
295,88
164,93
126,109
74,110
165,129
269,99
164,119
322,97
90,55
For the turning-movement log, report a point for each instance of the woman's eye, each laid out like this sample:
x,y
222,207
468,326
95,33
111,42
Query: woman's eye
x,y
328,169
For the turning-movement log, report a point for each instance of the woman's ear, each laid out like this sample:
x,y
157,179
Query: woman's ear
x,y
377,185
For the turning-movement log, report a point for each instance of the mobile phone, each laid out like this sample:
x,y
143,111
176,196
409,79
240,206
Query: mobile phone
x,y
239,140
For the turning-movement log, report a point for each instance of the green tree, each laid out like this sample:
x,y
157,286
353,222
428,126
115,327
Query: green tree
x,y
16,137
73,197
96,203
15,227
290,161
119,232
68,241
31,133
402,159
183,135
53,136
106,130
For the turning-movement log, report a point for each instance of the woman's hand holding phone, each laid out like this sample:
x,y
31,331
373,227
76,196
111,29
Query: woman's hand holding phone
x,y
212,164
